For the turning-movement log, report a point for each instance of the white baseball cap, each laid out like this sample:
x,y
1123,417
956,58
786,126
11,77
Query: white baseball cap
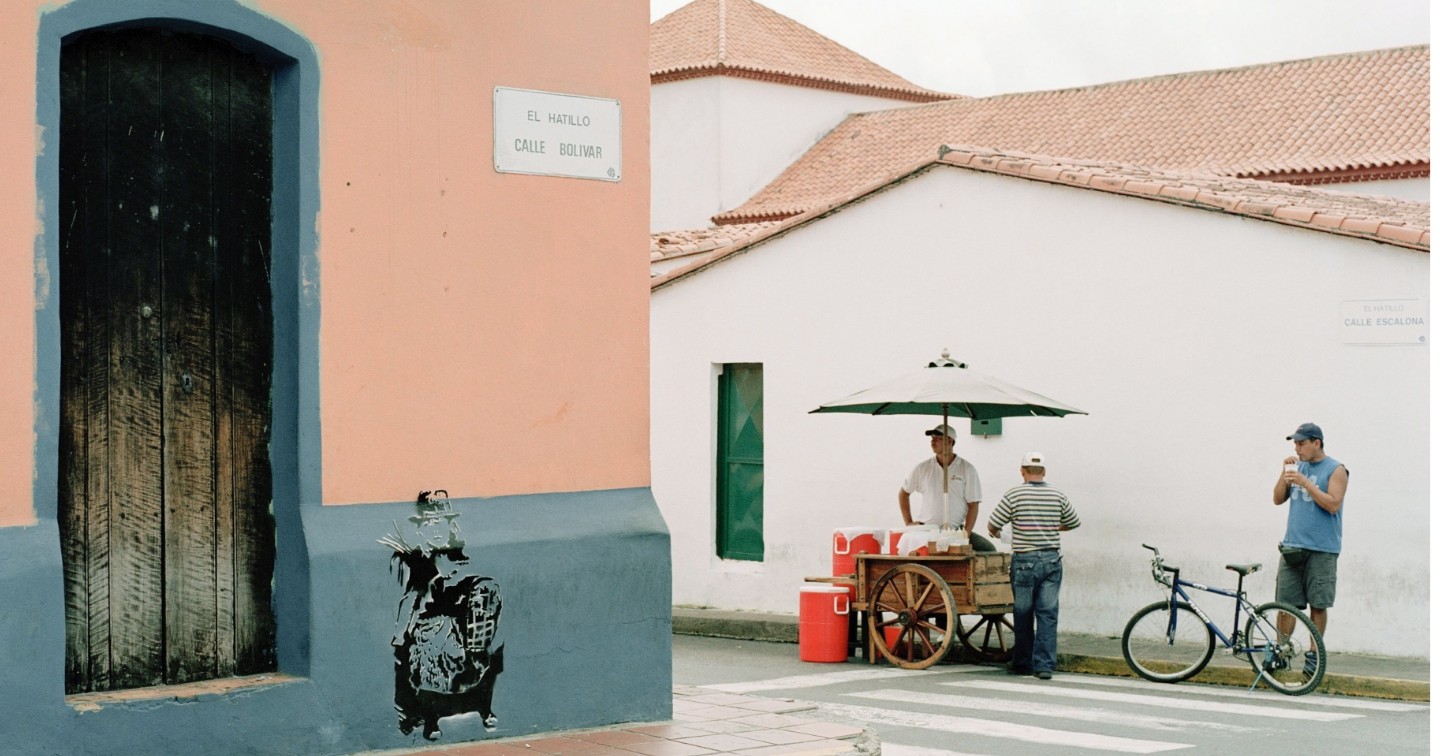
x,y
942,428
1032,459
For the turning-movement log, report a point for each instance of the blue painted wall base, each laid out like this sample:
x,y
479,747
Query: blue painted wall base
x,y
585,580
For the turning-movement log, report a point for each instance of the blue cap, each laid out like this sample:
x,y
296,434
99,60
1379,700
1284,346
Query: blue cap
x,y
1306,431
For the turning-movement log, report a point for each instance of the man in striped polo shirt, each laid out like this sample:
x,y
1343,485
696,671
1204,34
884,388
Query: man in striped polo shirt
x,y
1036,512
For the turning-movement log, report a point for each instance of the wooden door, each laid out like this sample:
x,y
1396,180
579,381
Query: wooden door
x,y
166,351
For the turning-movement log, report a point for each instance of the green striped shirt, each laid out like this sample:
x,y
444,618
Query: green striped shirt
x,y
1036,512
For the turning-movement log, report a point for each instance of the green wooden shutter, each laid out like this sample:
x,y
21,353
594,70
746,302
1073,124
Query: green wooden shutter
x,y
740,484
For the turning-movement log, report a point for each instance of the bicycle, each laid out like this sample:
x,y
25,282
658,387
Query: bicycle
x,y
1172,640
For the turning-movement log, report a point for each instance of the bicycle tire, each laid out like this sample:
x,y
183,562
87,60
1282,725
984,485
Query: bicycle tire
x,y
1153,655
1279,659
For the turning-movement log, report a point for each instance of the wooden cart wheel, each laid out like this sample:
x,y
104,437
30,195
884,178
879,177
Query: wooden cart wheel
x,y
914,599
990,639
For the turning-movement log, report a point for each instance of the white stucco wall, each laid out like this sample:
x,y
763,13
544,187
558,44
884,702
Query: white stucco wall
x,y
717,140
1417,189
1196,341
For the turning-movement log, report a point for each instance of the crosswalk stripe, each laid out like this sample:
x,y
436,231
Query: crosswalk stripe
x,y
900,749
1053,689
1260,693
973,727
1060,711
824,678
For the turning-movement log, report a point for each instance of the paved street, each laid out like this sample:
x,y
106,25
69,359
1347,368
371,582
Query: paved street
x,y
966,709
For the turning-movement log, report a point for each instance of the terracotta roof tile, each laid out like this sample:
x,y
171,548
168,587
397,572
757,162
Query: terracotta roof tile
x,y
669,247
1387,220
1308,121
745,39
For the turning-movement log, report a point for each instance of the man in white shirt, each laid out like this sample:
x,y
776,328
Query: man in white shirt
x,y
928,480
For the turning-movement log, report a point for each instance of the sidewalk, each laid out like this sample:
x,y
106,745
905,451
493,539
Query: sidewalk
x,y
704,722
1404,679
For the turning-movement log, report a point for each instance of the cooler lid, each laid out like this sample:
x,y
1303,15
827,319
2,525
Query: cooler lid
x,y
823,588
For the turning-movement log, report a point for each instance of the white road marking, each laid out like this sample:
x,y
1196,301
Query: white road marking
x,y
897,749
973,727
1259,694
821,679
1033,708
1052,689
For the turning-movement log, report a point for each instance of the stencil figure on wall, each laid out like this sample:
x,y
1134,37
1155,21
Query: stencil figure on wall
x,y
447,654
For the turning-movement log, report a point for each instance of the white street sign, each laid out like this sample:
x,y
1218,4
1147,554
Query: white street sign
x,y
549,134
1384,321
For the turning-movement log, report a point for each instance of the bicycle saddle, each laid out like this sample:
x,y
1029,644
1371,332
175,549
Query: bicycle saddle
x,y
1243,569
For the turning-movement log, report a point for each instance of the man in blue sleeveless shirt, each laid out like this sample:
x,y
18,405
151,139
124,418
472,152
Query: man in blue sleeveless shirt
x,y
1315,490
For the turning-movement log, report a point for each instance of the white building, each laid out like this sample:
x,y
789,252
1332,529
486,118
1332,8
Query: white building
x,y
1196,307
739,92
1198,320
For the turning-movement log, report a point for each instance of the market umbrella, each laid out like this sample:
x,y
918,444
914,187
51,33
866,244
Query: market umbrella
x,y
946,387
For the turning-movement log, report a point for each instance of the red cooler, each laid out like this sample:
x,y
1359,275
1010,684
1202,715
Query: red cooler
x,y
824,621
847,543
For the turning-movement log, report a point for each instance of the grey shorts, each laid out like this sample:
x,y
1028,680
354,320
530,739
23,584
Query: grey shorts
x,y
1308,584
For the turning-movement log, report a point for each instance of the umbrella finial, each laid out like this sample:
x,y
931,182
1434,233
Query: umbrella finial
x,y
945,360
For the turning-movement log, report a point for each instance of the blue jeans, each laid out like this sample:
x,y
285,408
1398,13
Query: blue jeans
x,y
1035,577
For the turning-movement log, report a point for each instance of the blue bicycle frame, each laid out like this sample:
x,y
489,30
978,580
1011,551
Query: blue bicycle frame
x,y
1233,642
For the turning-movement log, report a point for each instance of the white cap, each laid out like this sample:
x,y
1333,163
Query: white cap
x,y
1032,459
942,428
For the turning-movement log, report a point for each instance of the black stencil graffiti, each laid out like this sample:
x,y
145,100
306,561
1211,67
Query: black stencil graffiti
x,y
447,654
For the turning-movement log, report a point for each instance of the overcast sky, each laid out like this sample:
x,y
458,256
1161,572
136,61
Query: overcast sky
x,y
984,47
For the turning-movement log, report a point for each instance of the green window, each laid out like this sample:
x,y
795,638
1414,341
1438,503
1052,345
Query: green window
x,y
740,476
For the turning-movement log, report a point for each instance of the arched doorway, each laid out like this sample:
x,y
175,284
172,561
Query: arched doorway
x,y
166,324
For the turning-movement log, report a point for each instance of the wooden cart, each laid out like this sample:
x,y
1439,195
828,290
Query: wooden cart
x,y
911,609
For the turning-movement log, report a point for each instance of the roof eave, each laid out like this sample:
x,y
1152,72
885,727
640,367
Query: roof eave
x,y
714,68
1039,168
1347,175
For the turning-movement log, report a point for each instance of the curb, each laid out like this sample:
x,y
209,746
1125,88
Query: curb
x,y
738,625
1243,677
784,628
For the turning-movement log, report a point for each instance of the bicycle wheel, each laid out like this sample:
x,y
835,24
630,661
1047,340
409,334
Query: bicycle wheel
x,y
1285,648
1158,655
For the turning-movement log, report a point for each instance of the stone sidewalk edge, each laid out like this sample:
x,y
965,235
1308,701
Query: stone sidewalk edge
x,y
785,629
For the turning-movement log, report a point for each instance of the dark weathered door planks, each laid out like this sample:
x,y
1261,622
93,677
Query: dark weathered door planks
x,y
167,535
247,355
186,242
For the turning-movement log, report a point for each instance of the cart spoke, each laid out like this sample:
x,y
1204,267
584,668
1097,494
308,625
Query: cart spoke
x,y
994,643
881,606
892,587
929,587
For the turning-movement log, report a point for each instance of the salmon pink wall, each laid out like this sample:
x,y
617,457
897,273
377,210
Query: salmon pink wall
x,y
483,332
479,331
18,228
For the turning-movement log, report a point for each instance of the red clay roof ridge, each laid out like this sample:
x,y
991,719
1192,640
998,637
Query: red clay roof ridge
x,y
1228,70
750,40
1407,224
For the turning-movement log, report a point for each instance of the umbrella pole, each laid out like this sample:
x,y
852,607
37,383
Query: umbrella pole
x,y
945,471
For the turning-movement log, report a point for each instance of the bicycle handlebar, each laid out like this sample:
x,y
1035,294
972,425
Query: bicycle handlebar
x,y
1158,566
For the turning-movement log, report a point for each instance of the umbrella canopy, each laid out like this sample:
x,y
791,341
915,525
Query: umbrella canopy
x,y
950,389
